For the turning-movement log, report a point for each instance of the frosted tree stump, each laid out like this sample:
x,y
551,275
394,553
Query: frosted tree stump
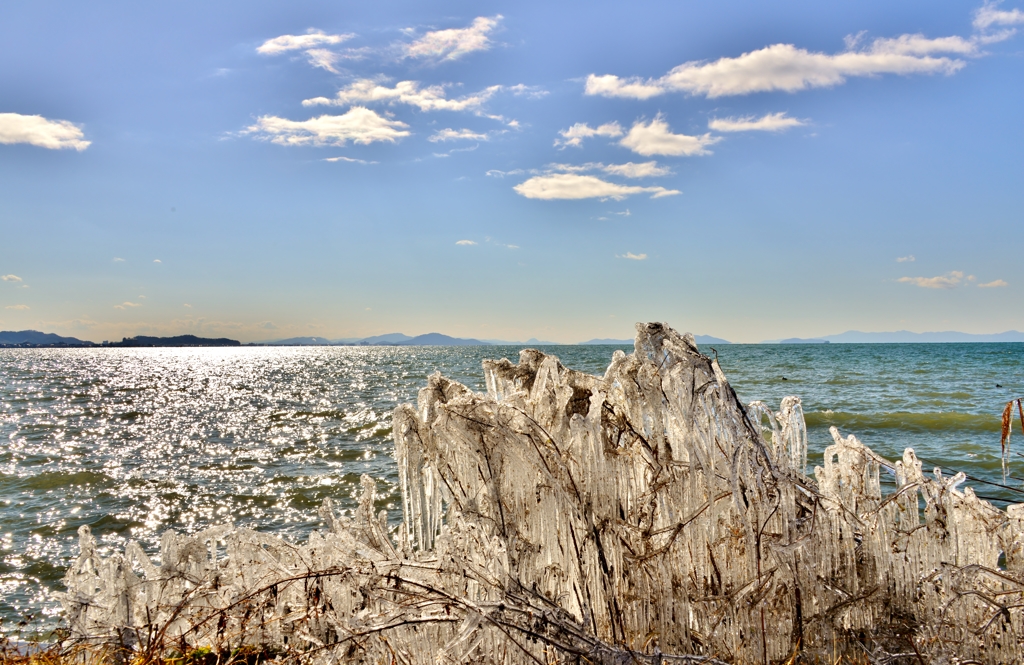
x,y
645,516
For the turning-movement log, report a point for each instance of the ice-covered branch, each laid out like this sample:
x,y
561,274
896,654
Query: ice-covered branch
x,y
643,516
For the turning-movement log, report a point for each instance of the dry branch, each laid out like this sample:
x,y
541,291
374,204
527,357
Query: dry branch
x,y
645,516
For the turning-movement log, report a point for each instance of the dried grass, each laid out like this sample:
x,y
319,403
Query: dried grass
x,y
645,516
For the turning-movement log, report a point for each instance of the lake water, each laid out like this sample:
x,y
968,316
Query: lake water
x,y
135,441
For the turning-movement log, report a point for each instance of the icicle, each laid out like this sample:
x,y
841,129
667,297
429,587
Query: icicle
x,y
641,516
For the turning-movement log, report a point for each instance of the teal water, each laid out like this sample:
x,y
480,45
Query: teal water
x,y
136,441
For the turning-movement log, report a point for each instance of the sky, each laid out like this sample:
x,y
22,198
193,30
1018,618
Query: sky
x,y
507,170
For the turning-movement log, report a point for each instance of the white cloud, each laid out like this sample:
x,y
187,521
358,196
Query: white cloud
x,y
628,170
457,135
574,135
127,304
993,285
323,58
455,42
118,259
788,68
41,132
772,122
495,173
466,242
610,85
948,281
187,305
574,186
157,261
10,278
310,40
570,168
632,256
920,45
358,124
529,91
655,138
352,160
455,150
18,307
906,259
431,98
642,170
990,15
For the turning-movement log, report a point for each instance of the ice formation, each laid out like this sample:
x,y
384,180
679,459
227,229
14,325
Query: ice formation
x,y
645,516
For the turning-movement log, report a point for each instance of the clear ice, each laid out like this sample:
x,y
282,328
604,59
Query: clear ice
x,y
645,516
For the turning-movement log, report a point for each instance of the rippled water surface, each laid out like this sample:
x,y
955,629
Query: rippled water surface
x,y
135,441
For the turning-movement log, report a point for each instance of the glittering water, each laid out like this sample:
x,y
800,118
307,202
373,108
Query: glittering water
x,y
135,441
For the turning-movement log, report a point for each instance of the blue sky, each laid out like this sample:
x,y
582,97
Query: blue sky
x,y
507,170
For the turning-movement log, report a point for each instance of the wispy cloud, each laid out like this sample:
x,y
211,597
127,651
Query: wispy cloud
x,y
352,160
632,256
629,170
773,122
993,285
127,304
41,132
18,307
312,39
117,259
788,68
909,258
157,261
655,138
451,152
430,98
10,278
643,170
454,43
457,135
574,135
358,124
575,186
990,14
495,173
323,58
948,281
466,242
528,91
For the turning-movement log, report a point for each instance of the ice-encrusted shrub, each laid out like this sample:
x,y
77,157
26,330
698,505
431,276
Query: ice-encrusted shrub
x,y
643,516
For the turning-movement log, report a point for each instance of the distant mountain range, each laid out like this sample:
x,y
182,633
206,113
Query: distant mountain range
x,y
36,338
902,337
437,339
301,341
533,341
399,339
390,339
701,339
178,340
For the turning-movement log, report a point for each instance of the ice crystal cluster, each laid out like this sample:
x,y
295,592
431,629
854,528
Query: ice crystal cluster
x,y
645,516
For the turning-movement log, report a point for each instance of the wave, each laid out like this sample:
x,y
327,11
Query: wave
x,y
904,420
